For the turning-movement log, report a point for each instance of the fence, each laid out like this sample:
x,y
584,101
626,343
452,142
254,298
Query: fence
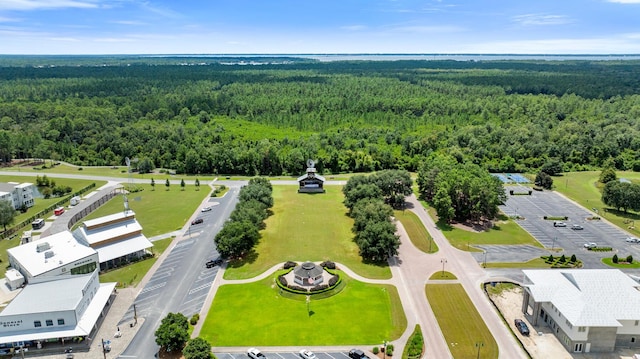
x,y
92,207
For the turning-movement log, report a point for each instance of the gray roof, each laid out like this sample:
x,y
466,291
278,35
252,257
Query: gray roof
x,y
587,297
62,294
308,270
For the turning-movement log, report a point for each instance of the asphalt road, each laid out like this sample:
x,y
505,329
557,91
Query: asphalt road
x,y
181,282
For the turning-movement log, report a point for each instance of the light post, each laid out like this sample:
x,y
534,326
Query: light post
x,y
384,353
430,240
479,345
553,245
484,263
104,350
443,261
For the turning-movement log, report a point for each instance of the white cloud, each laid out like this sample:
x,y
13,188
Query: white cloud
x,y
541,19
604,45
420,29
9,19
625,1
45,4
129,22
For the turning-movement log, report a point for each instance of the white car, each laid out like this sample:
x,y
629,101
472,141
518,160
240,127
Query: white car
x,y
206,209
254,353
632,240
590,245
306,354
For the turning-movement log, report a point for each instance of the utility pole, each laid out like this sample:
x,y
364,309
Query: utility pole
x,y
443,261
104,350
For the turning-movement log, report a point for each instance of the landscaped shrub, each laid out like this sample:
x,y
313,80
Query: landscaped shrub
x,y
194,319
573,258
389,351
629,259
615,258
562,259
550,259
389,347
283,280
375,350
328,264
415,345
290,264
333,280
319,287
296,287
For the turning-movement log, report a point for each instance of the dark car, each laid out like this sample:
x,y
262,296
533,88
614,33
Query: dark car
x,y
214,262
522,327
357,354
197,221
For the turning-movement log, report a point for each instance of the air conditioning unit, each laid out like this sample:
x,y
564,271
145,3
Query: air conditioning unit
x,y
41,247
48,254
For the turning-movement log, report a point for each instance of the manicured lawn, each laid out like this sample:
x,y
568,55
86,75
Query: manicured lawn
x,y
621,264
534,263
584,188
306,227
256,315
158,211
440,275
132,274
460,322
416,231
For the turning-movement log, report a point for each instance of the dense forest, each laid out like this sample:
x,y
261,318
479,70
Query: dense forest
x,y
227,116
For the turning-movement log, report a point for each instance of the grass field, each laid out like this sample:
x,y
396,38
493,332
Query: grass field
x,y
306,227
534,263
583,188
158,211
443,275
620,264
460,322
132,274
416,231
256,315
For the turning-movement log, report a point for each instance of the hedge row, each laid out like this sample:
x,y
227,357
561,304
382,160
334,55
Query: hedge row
x,y
556,218
333,282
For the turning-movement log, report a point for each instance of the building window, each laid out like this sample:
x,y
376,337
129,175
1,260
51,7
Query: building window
x,y
37,324
637,322
49,322
577,348
84,269
582,329
60,321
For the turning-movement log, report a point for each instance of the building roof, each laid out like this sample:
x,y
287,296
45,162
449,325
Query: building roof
x,y
587,297
83,328
96,235
308,270
106,220
122,248
63,247
62,294
305,176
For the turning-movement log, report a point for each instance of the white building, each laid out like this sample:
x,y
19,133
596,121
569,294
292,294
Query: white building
x,y
19,194
57,255
589,310
61,308
117,238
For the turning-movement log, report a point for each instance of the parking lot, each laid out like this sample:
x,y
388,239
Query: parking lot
x,y
532,209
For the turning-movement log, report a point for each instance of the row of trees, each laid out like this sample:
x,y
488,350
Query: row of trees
x,y
351,117
240,233
622,195
370,200
460,191
173,334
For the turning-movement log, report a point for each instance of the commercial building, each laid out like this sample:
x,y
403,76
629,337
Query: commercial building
x,y
117,238
19,194
589,310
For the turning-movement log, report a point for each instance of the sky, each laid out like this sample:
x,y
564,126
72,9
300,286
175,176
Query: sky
x,y
319,26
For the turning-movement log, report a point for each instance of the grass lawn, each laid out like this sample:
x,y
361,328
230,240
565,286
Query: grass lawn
x,y
306,227
621,264
158,211
256,315
534,263
460,322
584,188
440,275
416,231
132,274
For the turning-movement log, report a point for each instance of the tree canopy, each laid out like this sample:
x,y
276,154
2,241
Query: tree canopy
x,y
172,334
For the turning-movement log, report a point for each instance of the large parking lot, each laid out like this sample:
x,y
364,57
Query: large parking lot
x,y
532,209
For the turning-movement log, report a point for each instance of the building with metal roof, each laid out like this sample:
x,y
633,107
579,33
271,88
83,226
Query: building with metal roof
x,y
311,182
589,310
57,255
117,238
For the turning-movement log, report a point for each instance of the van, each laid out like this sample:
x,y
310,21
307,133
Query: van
x,y
37,224
58,211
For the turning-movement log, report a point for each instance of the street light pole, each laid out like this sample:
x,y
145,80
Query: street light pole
x,y
384,353
443,261
479,345
104,350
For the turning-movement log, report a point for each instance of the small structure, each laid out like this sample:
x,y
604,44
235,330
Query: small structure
x,y
311,182
20,195
14,278
308,274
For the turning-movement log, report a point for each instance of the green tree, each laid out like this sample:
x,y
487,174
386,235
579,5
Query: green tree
x,y
552,167
182,184
7,214
543,180
146,165
573,258
630,259
197,348
167,184
172,334
197,183
153,185
607,175
614,259
236,238
443,205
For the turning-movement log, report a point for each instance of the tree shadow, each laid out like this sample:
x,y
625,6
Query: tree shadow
x,y
248,258
622,214
311,312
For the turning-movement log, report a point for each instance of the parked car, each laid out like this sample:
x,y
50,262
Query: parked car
x,y
206,209
632,239
254,353
522,327
197,221
357,354
214,262
590,245
306,354
577,227
559,224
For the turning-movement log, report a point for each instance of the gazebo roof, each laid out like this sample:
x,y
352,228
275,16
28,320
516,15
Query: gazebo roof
x,y
308,270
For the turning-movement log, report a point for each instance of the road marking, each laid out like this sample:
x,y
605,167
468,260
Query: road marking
x,y
200,288
153,287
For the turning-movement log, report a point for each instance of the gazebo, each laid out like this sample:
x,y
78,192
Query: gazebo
x,y
311,182
308,274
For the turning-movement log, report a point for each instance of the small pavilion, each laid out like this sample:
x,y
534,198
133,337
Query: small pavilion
x,y
308,274
311,182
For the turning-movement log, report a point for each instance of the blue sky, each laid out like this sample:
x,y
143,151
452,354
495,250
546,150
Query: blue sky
x,y
320,26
